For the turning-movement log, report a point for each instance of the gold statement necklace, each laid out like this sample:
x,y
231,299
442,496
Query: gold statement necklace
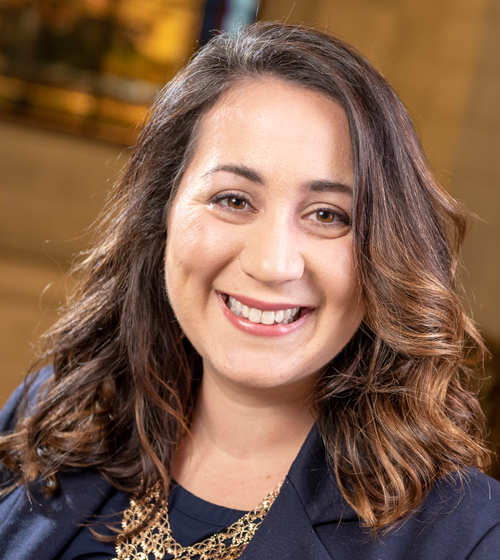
x,y
157,538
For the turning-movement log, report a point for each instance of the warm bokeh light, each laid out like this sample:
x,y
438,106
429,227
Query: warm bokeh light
x,y
92,66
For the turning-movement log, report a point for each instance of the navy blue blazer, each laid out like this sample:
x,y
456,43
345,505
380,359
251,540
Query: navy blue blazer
x,y
309,520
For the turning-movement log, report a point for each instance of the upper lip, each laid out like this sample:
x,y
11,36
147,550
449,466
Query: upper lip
x,y
262,305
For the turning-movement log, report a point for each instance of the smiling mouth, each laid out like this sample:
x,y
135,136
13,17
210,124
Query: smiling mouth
x,y
278,317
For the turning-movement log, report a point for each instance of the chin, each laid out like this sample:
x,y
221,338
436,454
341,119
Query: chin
x,y
259,374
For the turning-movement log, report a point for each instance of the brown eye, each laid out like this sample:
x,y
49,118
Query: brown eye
x,y
236,203
325,217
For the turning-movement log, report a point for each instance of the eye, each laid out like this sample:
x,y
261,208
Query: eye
x,y
325,217
329,217
232,201
236,203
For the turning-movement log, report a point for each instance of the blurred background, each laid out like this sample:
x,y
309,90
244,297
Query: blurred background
x,y
77,77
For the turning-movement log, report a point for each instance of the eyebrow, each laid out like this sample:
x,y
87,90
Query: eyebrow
x,y
320,185
329,186
241,170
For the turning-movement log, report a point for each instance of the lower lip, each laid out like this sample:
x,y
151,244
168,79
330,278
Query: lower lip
x,y
258,329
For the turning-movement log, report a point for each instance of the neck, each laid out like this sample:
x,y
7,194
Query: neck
x,y
252,422
242,437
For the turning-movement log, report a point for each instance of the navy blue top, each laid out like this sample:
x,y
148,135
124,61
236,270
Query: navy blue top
x,y
191,520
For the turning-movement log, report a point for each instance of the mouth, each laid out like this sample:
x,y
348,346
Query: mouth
x,y
263,316
258,318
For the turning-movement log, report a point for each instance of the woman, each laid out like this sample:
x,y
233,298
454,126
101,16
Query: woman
x,y
269,317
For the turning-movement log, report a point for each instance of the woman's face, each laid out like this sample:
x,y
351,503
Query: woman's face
x,y
261,224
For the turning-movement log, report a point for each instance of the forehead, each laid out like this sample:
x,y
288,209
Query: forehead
x,y
270,121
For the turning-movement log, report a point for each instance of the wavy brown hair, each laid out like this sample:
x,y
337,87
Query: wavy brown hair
x,y
395,408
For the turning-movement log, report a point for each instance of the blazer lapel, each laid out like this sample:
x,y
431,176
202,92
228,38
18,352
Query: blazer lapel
x,y
316,484
286,533
308,497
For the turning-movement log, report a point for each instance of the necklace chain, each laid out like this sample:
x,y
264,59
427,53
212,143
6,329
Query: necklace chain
x,y
157,538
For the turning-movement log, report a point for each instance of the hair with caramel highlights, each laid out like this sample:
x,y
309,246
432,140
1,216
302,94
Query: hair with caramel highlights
x,y
395,408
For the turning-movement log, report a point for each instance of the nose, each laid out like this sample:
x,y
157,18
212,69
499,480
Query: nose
x,y
271,252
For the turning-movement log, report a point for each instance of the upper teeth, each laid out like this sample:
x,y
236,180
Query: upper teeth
x,y
264,317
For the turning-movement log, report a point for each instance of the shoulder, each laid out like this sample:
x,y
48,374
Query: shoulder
x,y
468,501
34,383
459,520
466,505
34,525
465,492
31,391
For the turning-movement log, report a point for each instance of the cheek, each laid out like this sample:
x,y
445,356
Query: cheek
x,y
349,279
337,276
183,235
198,248
183,232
